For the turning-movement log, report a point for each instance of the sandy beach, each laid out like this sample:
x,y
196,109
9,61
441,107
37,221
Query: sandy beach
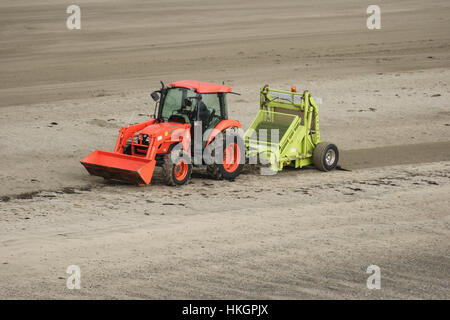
x,y
300,234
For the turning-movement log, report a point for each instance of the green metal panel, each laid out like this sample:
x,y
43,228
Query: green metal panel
x,y
296,117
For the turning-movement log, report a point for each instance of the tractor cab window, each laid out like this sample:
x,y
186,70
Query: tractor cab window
x,y
210,109
185,105
178,105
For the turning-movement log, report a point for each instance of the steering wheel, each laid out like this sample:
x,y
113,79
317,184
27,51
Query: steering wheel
x,y
211,116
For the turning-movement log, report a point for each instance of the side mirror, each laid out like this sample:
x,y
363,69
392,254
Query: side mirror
x,y
155,96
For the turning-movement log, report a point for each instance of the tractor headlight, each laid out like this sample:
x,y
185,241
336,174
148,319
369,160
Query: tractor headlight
x,y
145,139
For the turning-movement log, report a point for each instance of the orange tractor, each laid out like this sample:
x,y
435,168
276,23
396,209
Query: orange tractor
x,y
190,127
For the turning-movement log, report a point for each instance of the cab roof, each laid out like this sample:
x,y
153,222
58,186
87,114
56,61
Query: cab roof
x,y
201,87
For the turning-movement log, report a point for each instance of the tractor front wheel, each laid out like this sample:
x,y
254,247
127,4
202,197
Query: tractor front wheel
x,y
177,168
325,156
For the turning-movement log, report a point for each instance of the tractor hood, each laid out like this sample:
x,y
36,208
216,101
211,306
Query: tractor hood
x,y
164,129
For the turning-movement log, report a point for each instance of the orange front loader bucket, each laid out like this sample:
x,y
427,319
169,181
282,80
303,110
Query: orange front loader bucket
x,y
117,166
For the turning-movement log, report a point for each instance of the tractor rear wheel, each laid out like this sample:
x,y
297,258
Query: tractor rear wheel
x,y
233,158
177,167
325,156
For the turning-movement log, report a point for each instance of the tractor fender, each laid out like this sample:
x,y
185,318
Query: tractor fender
x,y
221,126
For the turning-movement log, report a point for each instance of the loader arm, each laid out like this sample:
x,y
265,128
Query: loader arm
x,y
127,132
118,166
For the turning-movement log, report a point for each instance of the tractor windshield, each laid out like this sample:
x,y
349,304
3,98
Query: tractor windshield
x,y
178,103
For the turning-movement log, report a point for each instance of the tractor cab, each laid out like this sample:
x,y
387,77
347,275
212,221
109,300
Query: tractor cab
x,y
193,102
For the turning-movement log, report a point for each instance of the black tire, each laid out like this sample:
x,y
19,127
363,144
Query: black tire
x,y
174,172
217,170
325,156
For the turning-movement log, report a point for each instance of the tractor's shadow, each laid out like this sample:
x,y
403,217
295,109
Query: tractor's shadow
x,y
200,175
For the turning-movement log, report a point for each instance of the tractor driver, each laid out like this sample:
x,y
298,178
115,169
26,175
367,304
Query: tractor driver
x,y
204,113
